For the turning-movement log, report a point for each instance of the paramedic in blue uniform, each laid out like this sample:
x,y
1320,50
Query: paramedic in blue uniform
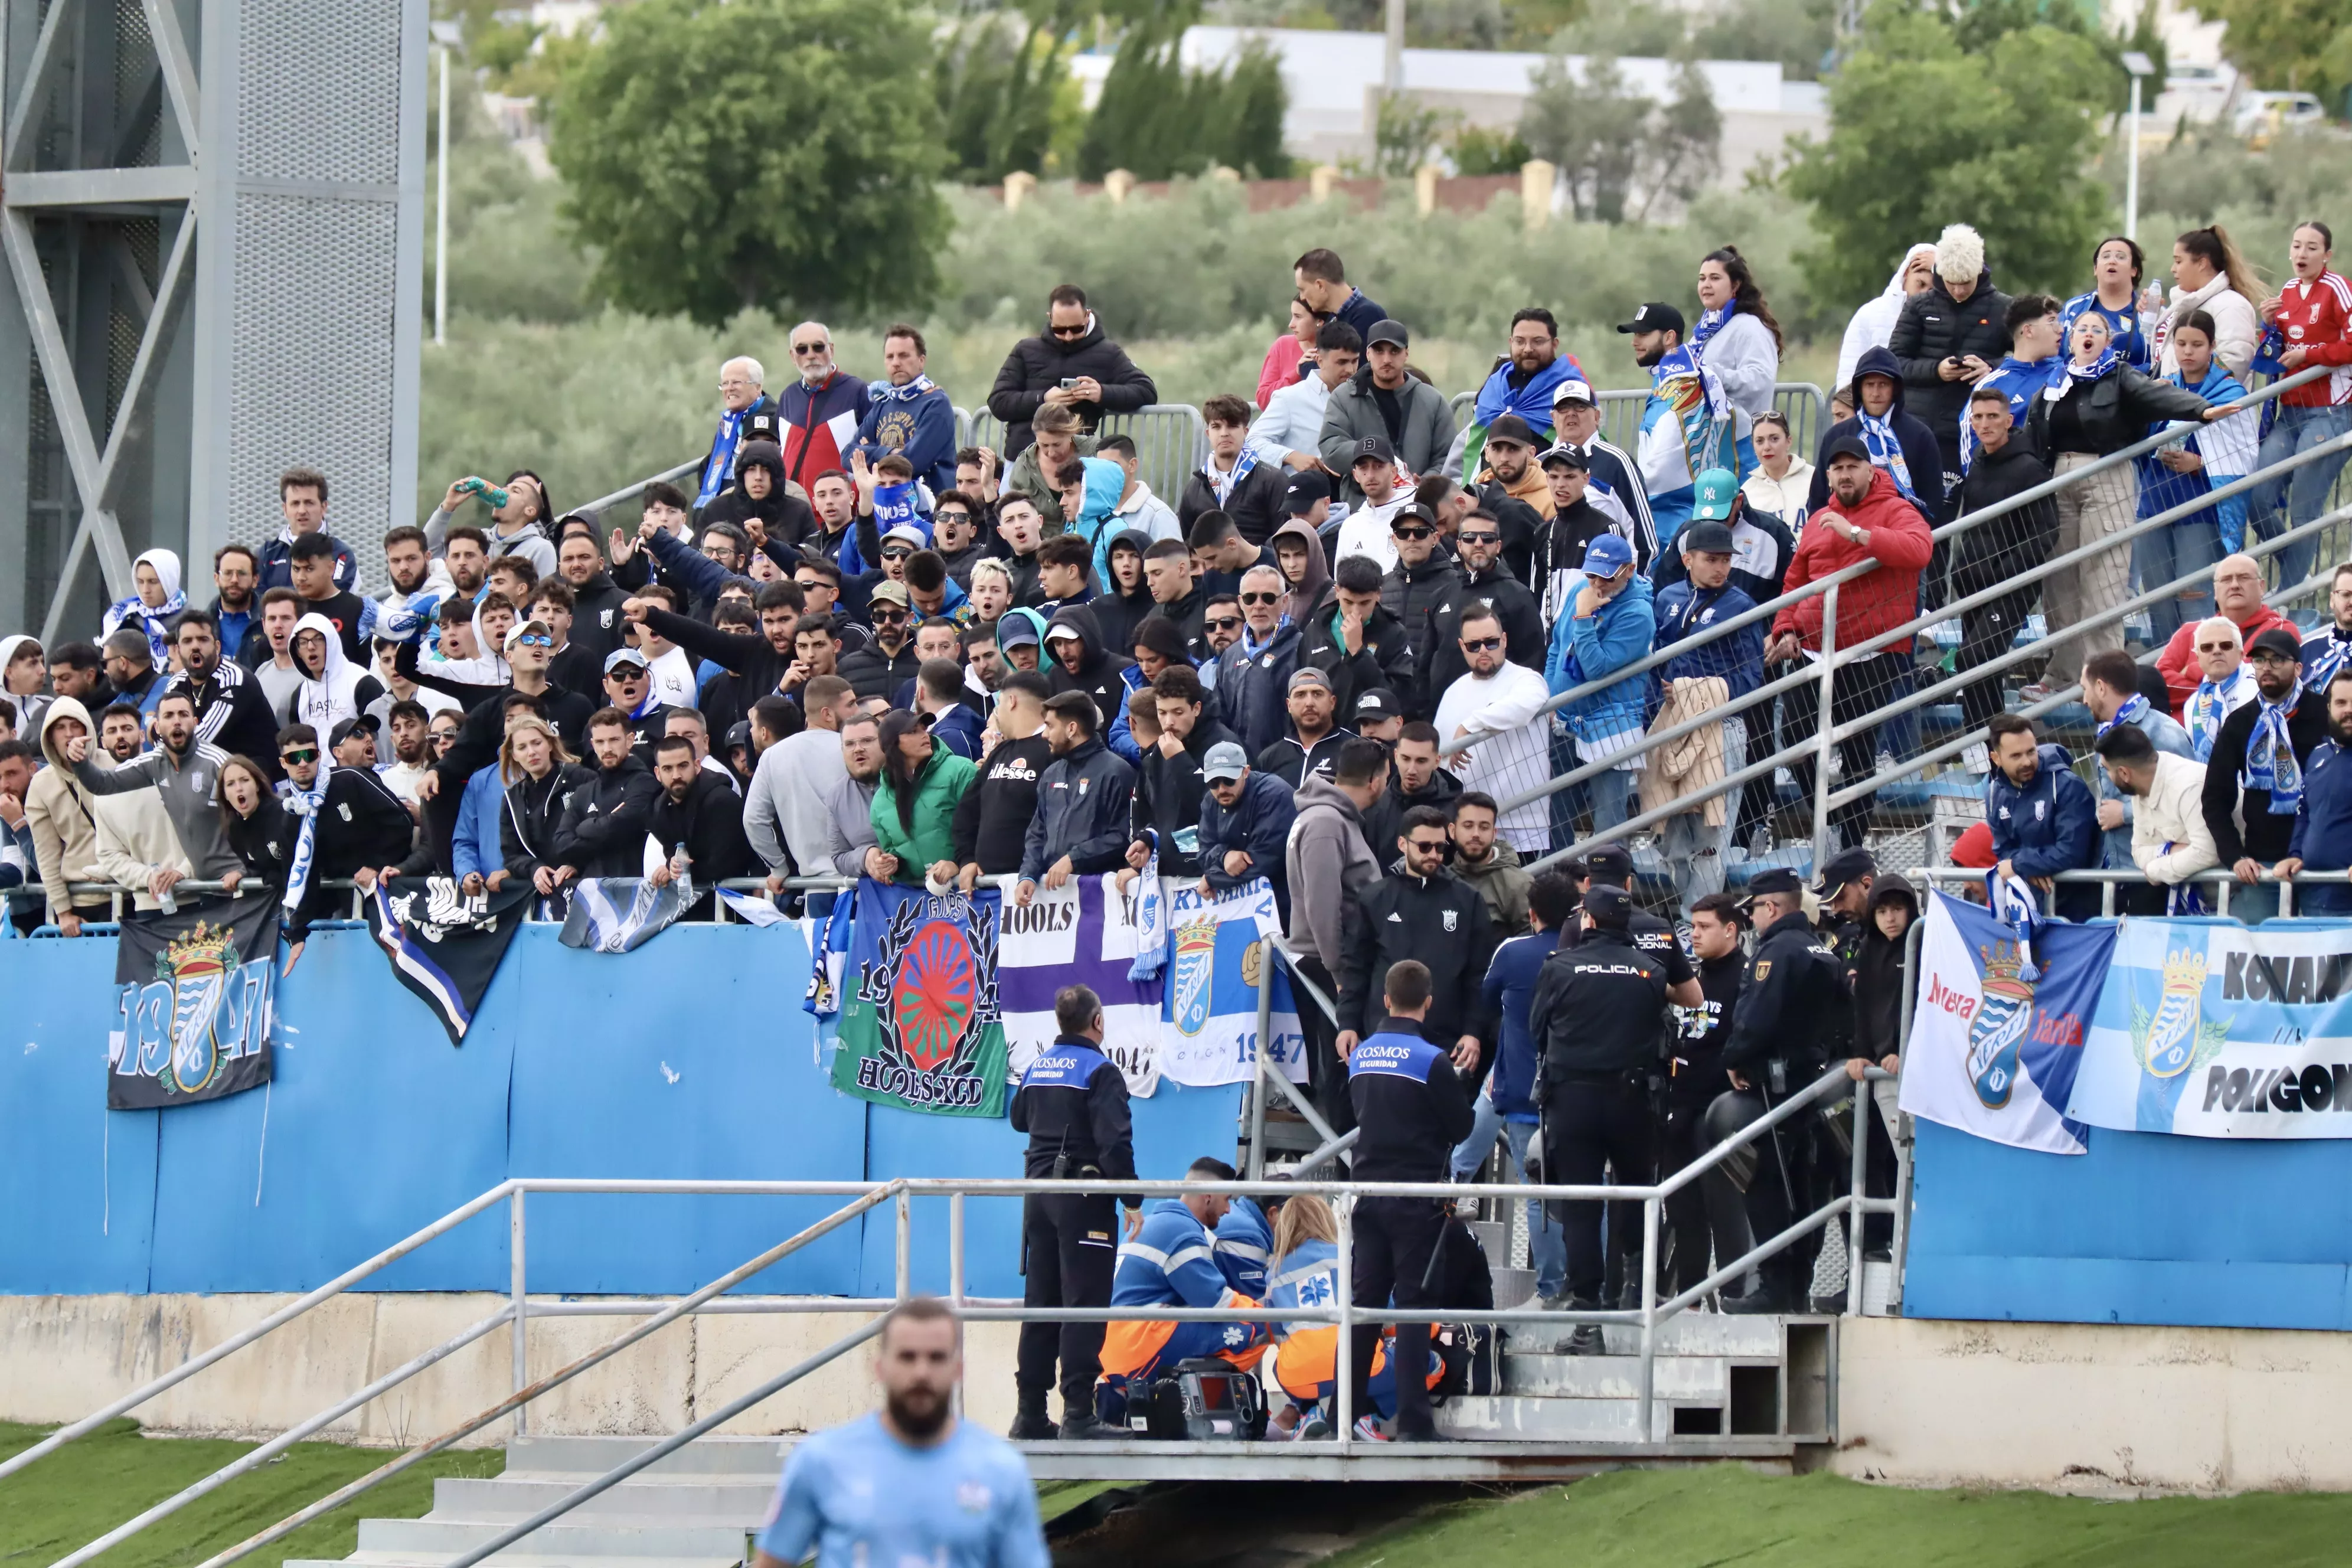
x,y
1410,1109
1072,1104
909,1483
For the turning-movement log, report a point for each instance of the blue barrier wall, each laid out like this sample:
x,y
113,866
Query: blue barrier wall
x,y
690,1058
2145,1228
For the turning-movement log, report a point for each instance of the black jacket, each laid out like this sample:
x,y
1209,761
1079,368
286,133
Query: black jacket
x,y
602,833
1291,762
1599,1008
485,729
749,655
709,823
1439,921
1385,660
1410,593
1116,613
1924,451
1696,1075
1438,635
1083,802
2266,832
1793,1005
531,814
1521,526
1190,615
361,823
1385,821
1072,1104
1040,364
264,841
873,672
1255,504
1098,668
783,518
1761,550
2005,547
1412,1108
597,624
1935,327
2110,414
1874,973
992,816
1168,791
233,713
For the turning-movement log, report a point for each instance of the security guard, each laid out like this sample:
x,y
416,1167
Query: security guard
x,y
1793,1018
1843,894
1072,1104
1600,1010
1438,920
1411,1111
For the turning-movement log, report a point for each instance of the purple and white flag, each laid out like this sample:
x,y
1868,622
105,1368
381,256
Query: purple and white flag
x,y
1084,933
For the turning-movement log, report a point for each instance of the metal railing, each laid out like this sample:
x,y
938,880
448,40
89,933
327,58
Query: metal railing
x,y
2221,878
1171,441
1801,401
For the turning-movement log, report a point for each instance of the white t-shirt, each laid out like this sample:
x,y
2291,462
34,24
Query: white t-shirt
x,y
1516,757
1366,531
673,679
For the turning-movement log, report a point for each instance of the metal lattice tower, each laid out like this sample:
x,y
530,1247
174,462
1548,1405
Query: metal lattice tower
x,y
213,217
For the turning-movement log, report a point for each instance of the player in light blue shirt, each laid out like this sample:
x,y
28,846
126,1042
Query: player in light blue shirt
x,y
910,1485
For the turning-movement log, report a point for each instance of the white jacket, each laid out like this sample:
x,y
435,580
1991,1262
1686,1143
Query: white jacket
x,y
1292,422
2235,326
2170,839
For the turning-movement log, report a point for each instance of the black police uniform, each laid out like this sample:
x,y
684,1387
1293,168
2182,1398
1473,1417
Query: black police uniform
x,y
1713,1205
1600,1009
1072,1104
1412,1109
1793,1018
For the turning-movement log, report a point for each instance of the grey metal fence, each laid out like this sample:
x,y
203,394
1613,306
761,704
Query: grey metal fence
x,y
1621,413
1171,441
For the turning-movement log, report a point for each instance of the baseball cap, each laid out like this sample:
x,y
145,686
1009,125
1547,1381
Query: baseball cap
x,y
1308,676
1609,864
1379,702
1387,331
2278,640
1568,455
1846,866
909,533
1773,879
888,593
621,656
1713,493
1572,392
1226,760
1411,511
1654,317
1016,629
516,632
1305,490
349,727
1706,539
1608,906
1607,555
1845,447
738,733
1376,448
1062,631
1512,428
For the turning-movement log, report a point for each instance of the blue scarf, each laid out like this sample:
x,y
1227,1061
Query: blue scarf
x,y
2129,713
2319,669
2017,380
2011,900
1532,402
2082,375
1224,487
2123,327
305,805
2270,757
1709,323
715,472
883,392
1885,451
155,622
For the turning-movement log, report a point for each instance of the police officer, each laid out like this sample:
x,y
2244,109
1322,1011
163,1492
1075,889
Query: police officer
x,y
1792,1017
1843,894
1411,1111
1072,1104
1600,1010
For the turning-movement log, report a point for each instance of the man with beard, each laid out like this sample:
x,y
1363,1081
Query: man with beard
x,y
2256,773
411,748
1415,778
1511,489
832,497
1079,662
466,552
697,820
358,829
1314,739
278,674
418,581
889,661
2323,820
185,772
955,1494
1083,802
1522,384
1487,582
231,712
597,625
628,687
236,602
1071,364
602,833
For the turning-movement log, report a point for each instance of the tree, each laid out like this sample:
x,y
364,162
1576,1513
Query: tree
x,y
757,152
2292,45
997,81
1156,119
1615,147
1405,135
1923,133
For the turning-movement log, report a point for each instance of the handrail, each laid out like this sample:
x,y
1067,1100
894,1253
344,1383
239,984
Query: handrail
x,y
2221,877
2049,487
630,492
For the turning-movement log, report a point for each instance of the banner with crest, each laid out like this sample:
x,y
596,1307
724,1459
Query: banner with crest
x,y
1207,1032
919,1021
193,1016
2219,1031
1997,1034
1084,933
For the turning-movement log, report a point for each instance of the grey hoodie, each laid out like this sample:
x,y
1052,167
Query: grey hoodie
x,y
1329,864
190,795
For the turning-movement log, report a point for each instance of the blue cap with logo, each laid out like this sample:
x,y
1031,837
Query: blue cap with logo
x,y
1607,555
1713,494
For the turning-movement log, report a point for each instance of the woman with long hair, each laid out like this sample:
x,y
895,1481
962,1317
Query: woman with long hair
x,y
2116,265
2307,324
1304,1361
1737,337
2201,461
539,773
2209,275
914,809
1290,355
255,824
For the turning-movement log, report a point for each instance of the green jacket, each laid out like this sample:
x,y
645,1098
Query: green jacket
x,y
938,787
1028,479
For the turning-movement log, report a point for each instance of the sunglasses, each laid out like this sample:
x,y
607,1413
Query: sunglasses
x,y
943,519
1261,598
1077,332
298,758
534,639
808,348
1225,623
1413,533
628,675
900,554
2216,647
1481,645
885,614
1479,538
1428,845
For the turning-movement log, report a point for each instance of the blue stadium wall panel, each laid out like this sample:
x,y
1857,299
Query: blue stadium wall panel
x,y
690,1058
2145,1228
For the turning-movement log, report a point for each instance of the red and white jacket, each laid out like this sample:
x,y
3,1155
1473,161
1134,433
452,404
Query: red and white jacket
x,y
2316,317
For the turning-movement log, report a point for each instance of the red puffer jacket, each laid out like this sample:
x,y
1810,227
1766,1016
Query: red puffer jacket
x,y
1877,601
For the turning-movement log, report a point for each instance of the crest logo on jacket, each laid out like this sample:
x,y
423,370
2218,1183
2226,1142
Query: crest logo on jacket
x,y
1449,917
605,617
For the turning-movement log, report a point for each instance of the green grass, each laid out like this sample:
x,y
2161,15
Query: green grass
x,y
1691,1518
88,1488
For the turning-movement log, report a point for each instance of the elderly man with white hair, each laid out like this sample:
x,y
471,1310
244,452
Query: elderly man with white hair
x,y
820,409
2228,685
746,412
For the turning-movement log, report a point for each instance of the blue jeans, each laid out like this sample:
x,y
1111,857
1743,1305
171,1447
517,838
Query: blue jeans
x,y
1611,794
2184,549
1547,1244
2302,493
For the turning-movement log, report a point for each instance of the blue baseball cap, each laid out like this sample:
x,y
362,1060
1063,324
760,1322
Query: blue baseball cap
x,y
1713,495
1607,555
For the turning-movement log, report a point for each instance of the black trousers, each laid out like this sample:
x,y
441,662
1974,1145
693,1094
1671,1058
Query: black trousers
x,y
1756,794
1709,1217
1327,1075
1986,633
1590,1125
1396,1240
1858,691
1780,1176
1072,1246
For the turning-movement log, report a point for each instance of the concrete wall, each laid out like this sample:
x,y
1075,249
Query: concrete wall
x,y
2071,1405
63,1356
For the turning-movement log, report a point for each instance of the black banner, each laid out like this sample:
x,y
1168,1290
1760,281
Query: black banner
x,y
443,945
192,1015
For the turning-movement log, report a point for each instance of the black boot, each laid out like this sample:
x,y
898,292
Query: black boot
x,y
1585,1339
1030,1422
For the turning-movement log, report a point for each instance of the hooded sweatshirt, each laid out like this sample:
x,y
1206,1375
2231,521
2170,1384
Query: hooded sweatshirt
x,y
1923,458
1872,325
785,518
340,691
1098,675
62,814
1328,865
1878,972
1117,611
1317,579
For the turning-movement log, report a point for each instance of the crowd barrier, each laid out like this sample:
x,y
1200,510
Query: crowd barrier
x,y
1171,441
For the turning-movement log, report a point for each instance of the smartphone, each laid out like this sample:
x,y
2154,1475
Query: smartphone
x,y
1069,383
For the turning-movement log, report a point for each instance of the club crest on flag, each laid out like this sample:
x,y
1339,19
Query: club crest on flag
x,y
1999,1025
2171,1041
1196,963
200,968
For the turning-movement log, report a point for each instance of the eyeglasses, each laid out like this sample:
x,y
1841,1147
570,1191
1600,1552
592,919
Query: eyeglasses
x,y
1077,332
2270,656
1225,623
808,348
1481,645
1261,598
298,758
1479,538
1413,533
